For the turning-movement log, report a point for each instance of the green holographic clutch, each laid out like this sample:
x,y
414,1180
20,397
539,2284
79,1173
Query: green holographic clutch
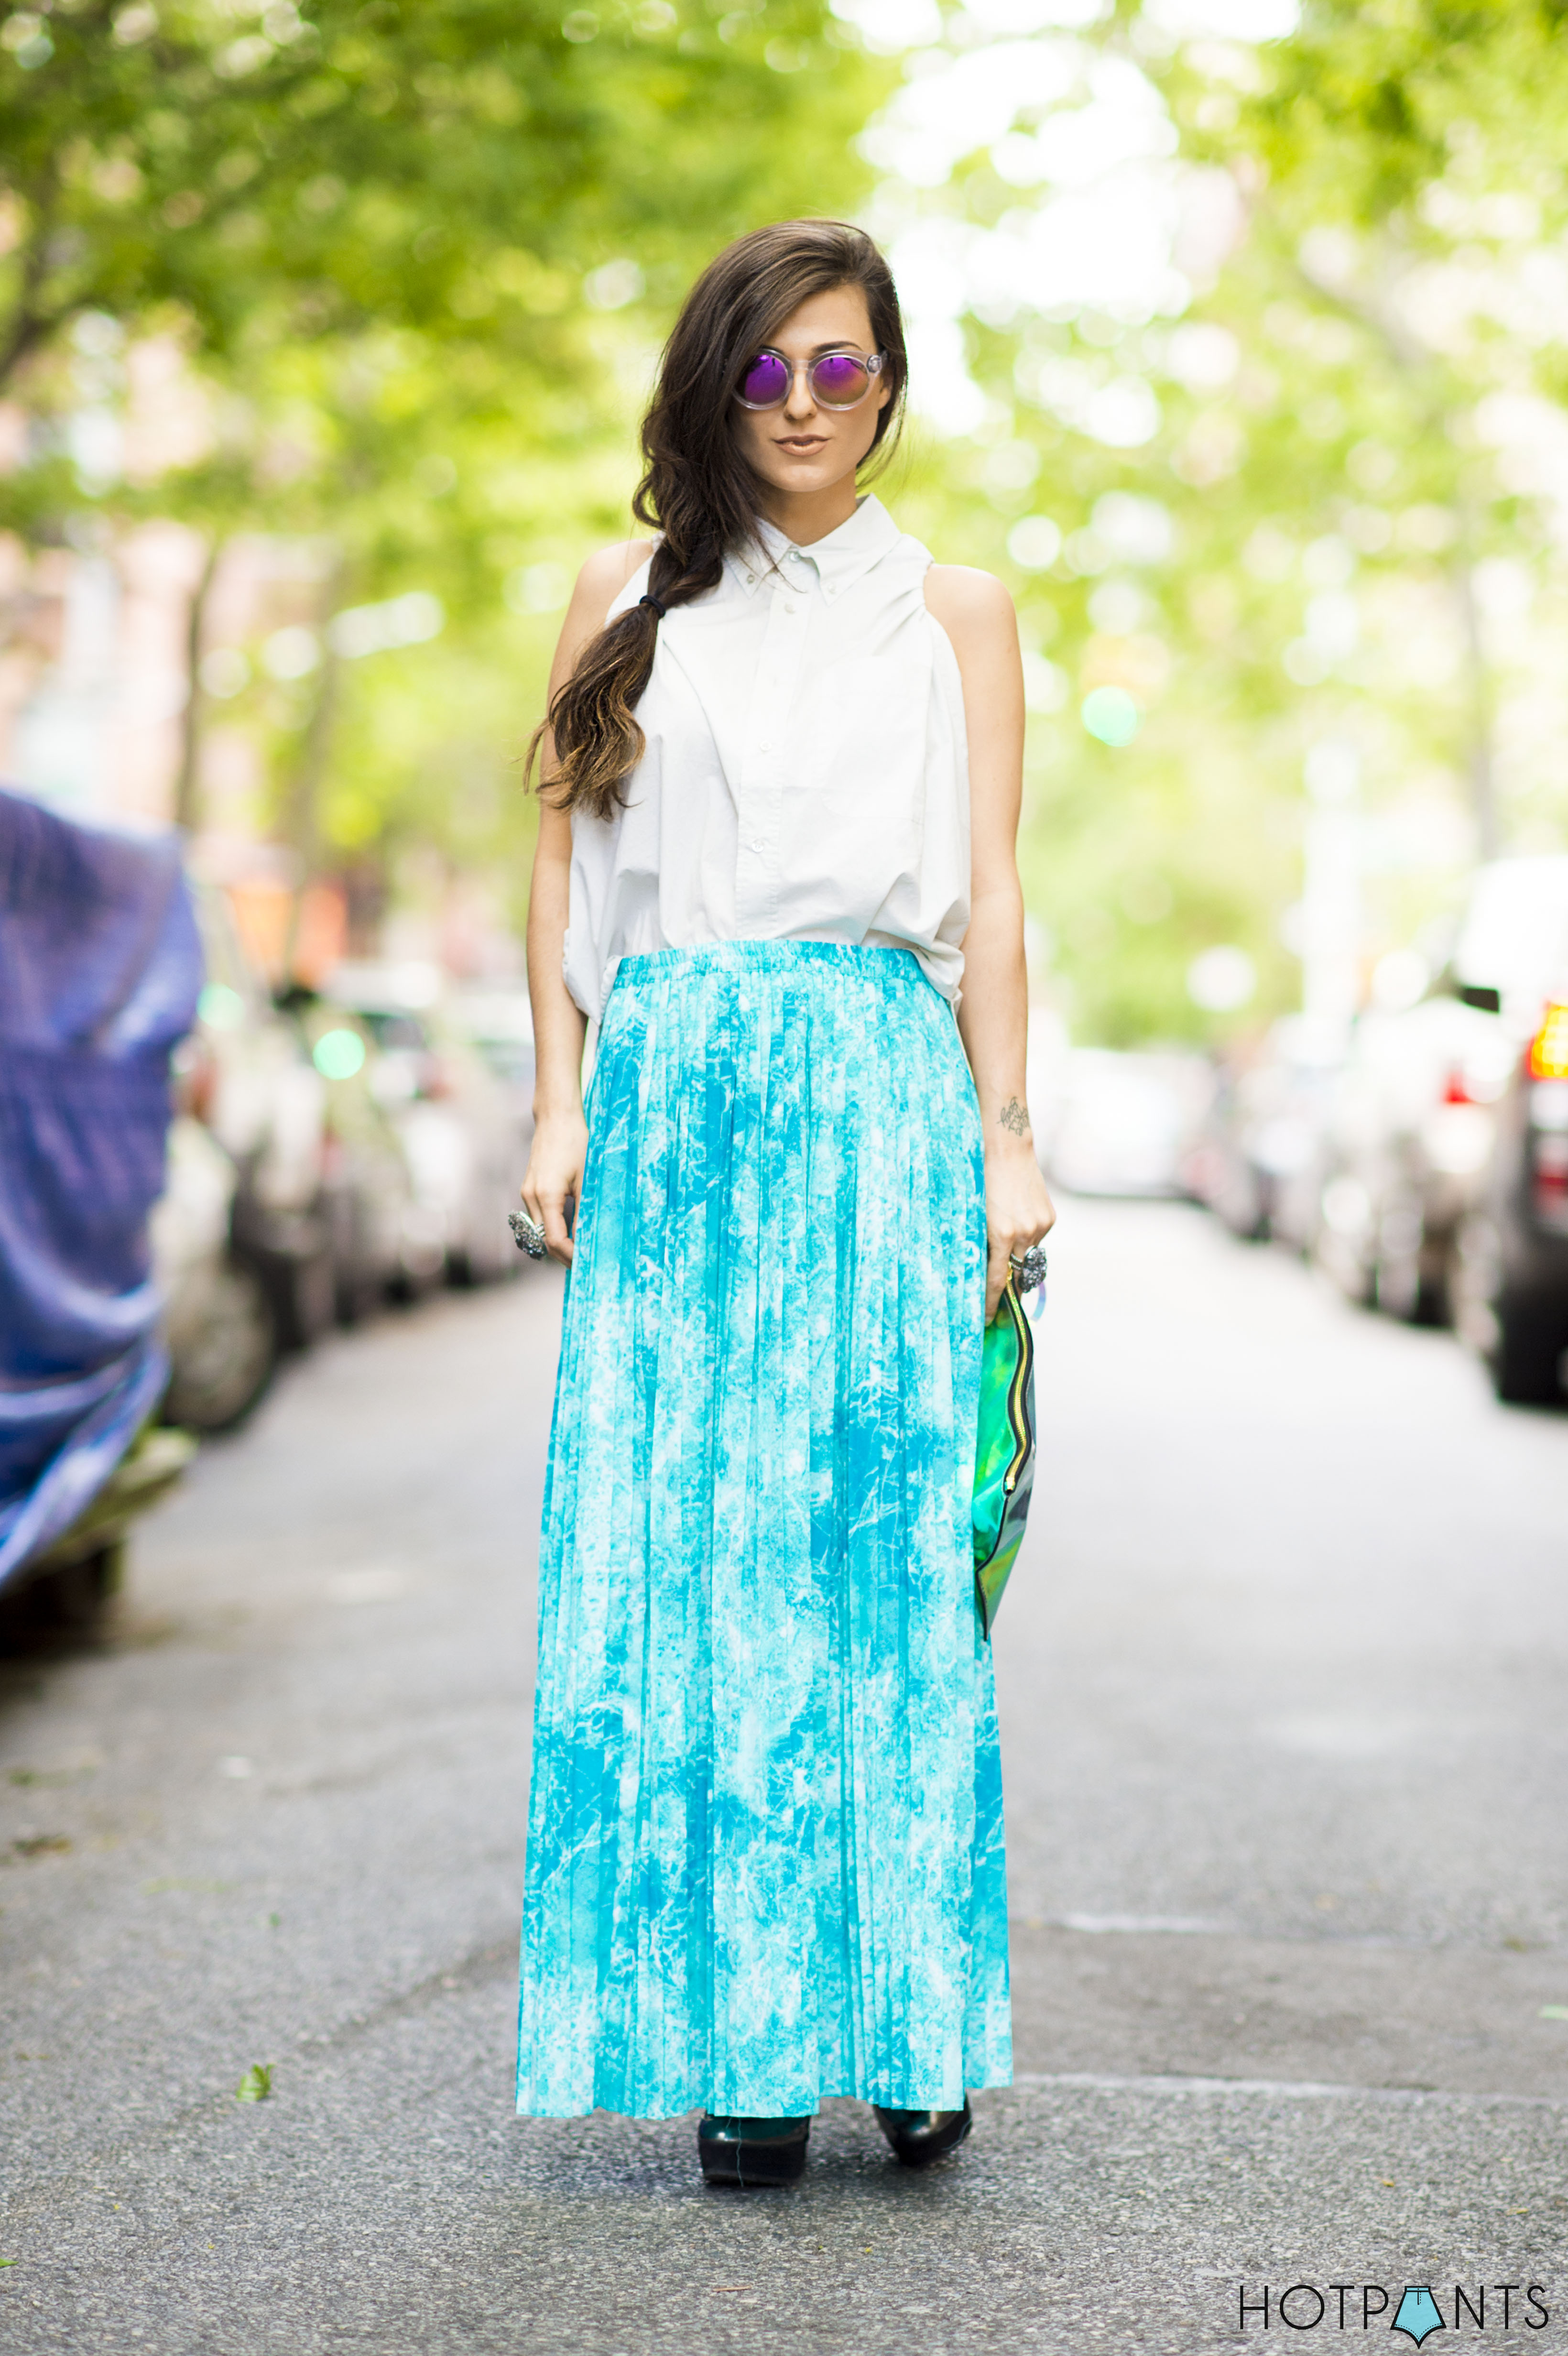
x,y
1004,1457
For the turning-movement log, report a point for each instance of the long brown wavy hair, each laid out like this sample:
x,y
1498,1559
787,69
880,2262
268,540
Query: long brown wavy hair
x,y
696,490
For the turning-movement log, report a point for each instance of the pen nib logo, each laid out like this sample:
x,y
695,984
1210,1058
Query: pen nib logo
x,y
1418,2314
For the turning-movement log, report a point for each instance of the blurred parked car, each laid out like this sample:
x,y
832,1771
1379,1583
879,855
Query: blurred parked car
x,y
219,1325
290,1198
241,1244
462,1123
1410,1135
1511,1265
1126,1123
331,1151
1417,1198
383,1240
499,1022
1510,1262
1258,1163
1510,1279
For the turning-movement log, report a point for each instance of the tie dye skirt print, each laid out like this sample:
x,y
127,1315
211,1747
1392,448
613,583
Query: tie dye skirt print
x,y
765,1857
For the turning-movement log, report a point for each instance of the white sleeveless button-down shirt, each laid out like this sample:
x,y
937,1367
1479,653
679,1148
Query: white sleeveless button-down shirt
x,y
807,772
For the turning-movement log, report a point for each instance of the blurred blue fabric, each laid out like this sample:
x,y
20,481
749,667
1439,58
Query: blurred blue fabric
x,y
100,969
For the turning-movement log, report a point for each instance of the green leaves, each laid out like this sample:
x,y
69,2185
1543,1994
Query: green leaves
x,y
1372,101
395,245
1359,398
333,147
256,2084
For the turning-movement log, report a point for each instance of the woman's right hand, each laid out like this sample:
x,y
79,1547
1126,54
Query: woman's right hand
x,y
554,1178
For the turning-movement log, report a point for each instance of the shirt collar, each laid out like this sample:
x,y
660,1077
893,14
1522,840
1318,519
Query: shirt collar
x,y
839,559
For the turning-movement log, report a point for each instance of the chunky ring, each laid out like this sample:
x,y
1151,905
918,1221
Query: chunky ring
x,y
1029,1268
528,1233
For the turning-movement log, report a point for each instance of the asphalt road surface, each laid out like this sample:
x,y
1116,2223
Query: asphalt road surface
x,y
1282,1693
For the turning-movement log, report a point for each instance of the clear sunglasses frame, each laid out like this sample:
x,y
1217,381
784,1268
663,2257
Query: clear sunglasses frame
x,y
873,364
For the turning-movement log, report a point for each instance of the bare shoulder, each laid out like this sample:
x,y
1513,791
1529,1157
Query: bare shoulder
x,y
599,583
970,605
608,570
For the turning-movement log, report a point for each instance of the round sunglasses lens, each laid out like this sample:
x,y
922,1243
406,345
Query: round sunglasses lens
x,y
840,380
765,380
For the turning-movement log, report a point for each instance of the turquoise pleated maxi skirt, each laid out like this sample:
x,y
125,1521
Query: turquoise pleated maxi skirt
x,y
765,1857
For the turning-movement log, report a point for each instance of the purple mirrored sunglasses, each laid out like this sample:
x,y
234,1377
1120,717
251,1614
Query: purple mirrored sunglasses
x,y
838,381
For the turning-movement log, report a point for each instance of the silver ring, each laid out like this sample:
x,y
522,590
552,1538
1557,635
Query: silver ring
x,y
528,1233
1029,1268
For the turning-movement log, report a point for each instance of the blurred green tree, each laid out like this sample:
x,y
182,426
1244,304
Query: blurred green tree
x,y
1301,513
421,258
365,164
416,255
1407,199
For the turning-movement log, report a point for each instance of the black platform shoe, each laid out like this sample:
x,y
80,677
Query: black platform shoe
x,y
920,2137
752,2151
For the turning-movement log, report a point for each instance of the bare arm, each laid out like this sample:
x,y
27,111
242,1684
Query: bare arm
x,y
993,1021
554,1176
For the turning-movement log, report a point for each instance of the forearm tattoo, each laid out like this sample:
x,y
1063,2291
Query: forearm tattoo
x,y
1014,1117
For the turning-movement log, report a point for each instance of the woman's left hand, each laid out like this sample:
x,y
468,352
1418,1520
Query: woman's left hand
x,y
1019,1211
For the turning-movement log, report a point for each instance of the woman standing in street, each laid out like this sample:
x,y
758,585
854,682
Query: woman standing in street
x,y
782,781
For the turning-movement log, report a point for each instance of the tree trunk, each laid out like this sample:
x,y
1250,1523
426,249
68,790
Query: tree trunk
x,y
301,824
1483,786
300,811
187,778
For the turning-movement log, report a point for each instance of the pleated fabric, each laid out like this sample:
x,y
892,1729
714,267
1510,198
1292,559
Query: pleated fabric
x,y
766,1860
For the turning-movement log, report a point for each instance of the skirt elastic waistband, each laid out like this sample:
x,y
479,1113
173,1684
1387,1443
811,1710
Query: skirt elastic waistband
x,y
888,969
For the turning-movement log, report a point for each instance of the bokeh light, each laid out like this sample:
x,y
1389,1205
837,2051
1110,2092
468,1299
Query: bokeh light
x,y
338,1054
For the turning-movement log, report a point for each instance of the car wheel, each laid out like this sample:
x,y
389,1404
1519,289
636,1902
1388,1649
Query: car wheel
x,y
67,1602
224,1362
1399,1286
1407,1290
357,1295
74,1596
311,1303
1525,1356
